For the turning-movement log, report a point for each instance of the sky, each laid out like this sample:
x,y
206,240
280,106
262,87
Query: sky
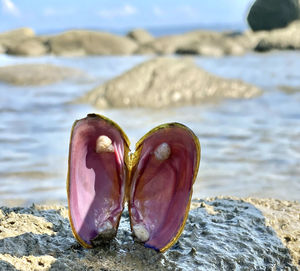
x,y
51,15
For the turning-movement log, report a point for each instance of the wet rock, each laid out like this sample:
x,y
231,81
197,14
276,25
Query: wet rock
x,y
272,14
37,74
29,47
163,82
140,35
83,42
239,234
280,39
13,37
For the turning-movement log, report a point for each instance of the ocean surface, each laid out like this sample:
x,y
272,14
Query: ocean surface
x,y
249,147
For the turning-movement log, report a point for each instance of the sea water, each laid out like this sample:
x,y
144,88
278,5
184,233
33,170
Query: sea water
x,y
249,147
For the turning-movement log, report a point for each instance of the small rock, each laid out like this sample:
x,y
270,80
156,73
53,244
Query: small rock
x,y
140,36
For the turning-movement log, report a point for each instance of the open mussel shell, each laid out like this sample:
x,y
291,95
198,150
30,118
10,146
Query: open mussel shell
x,y
97,177
164,168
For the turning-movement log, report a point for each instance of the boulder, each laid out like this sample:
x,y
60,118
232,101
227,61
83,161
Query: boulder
x,y
207,43
13,37
2,49
36,74
165,45
83,42
220,234
272,14
29,47
140,35
280,39
163,82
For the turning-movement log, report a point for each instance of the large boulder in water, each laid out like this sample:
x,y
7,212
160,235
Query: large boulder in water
x,y
271,14
163,82
83,42
37,74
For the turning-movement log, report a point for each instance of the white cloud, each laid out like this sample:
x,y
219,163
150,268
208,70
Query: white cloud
x,y
125,11
51,12
10,8
188,11
157,11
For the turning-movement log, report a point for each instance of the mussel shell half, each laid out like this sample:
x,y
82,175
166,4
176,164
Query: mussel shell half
x,y
96,179
164,168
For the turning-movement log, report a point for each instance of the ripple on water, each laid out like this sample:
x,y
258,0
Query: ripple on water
x,y
249,147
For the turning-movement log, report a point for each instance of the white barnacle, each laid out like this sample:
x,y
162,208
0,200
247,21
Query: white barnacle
x,y
106,226
104,144
162,152
141,232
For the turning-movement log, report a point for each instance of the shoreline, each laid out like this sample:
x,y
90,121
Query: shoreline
x,y
221,233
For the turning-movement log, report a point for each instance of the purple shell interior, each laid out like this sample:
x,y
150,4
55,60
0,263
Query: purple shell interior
x,y
160,190
96,180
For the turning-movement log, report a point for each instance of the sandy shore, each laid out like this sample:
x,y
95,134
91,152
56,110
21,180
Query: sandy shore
x,y
220,234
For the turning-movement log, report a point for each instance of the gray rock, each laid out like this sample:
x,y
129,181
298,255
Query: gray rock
x,y
83,42
272,14
163,82
29,47
220,234
280,39
36,74
12,38
140,35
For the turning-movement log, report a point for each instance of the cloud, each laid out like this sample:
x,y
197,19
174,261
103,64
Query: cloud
x,y
189,11
53,12
157,11
125,11
10,8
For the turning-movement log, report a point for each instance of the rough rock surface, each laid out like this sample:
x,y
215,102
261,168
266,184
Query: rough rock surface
x,y
163,82
140,35
29,47
220,234
83,42
280,39
272,14
36,74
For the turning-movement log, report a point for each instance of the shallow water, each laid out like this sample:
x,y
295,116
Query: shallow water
x,y
249,147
